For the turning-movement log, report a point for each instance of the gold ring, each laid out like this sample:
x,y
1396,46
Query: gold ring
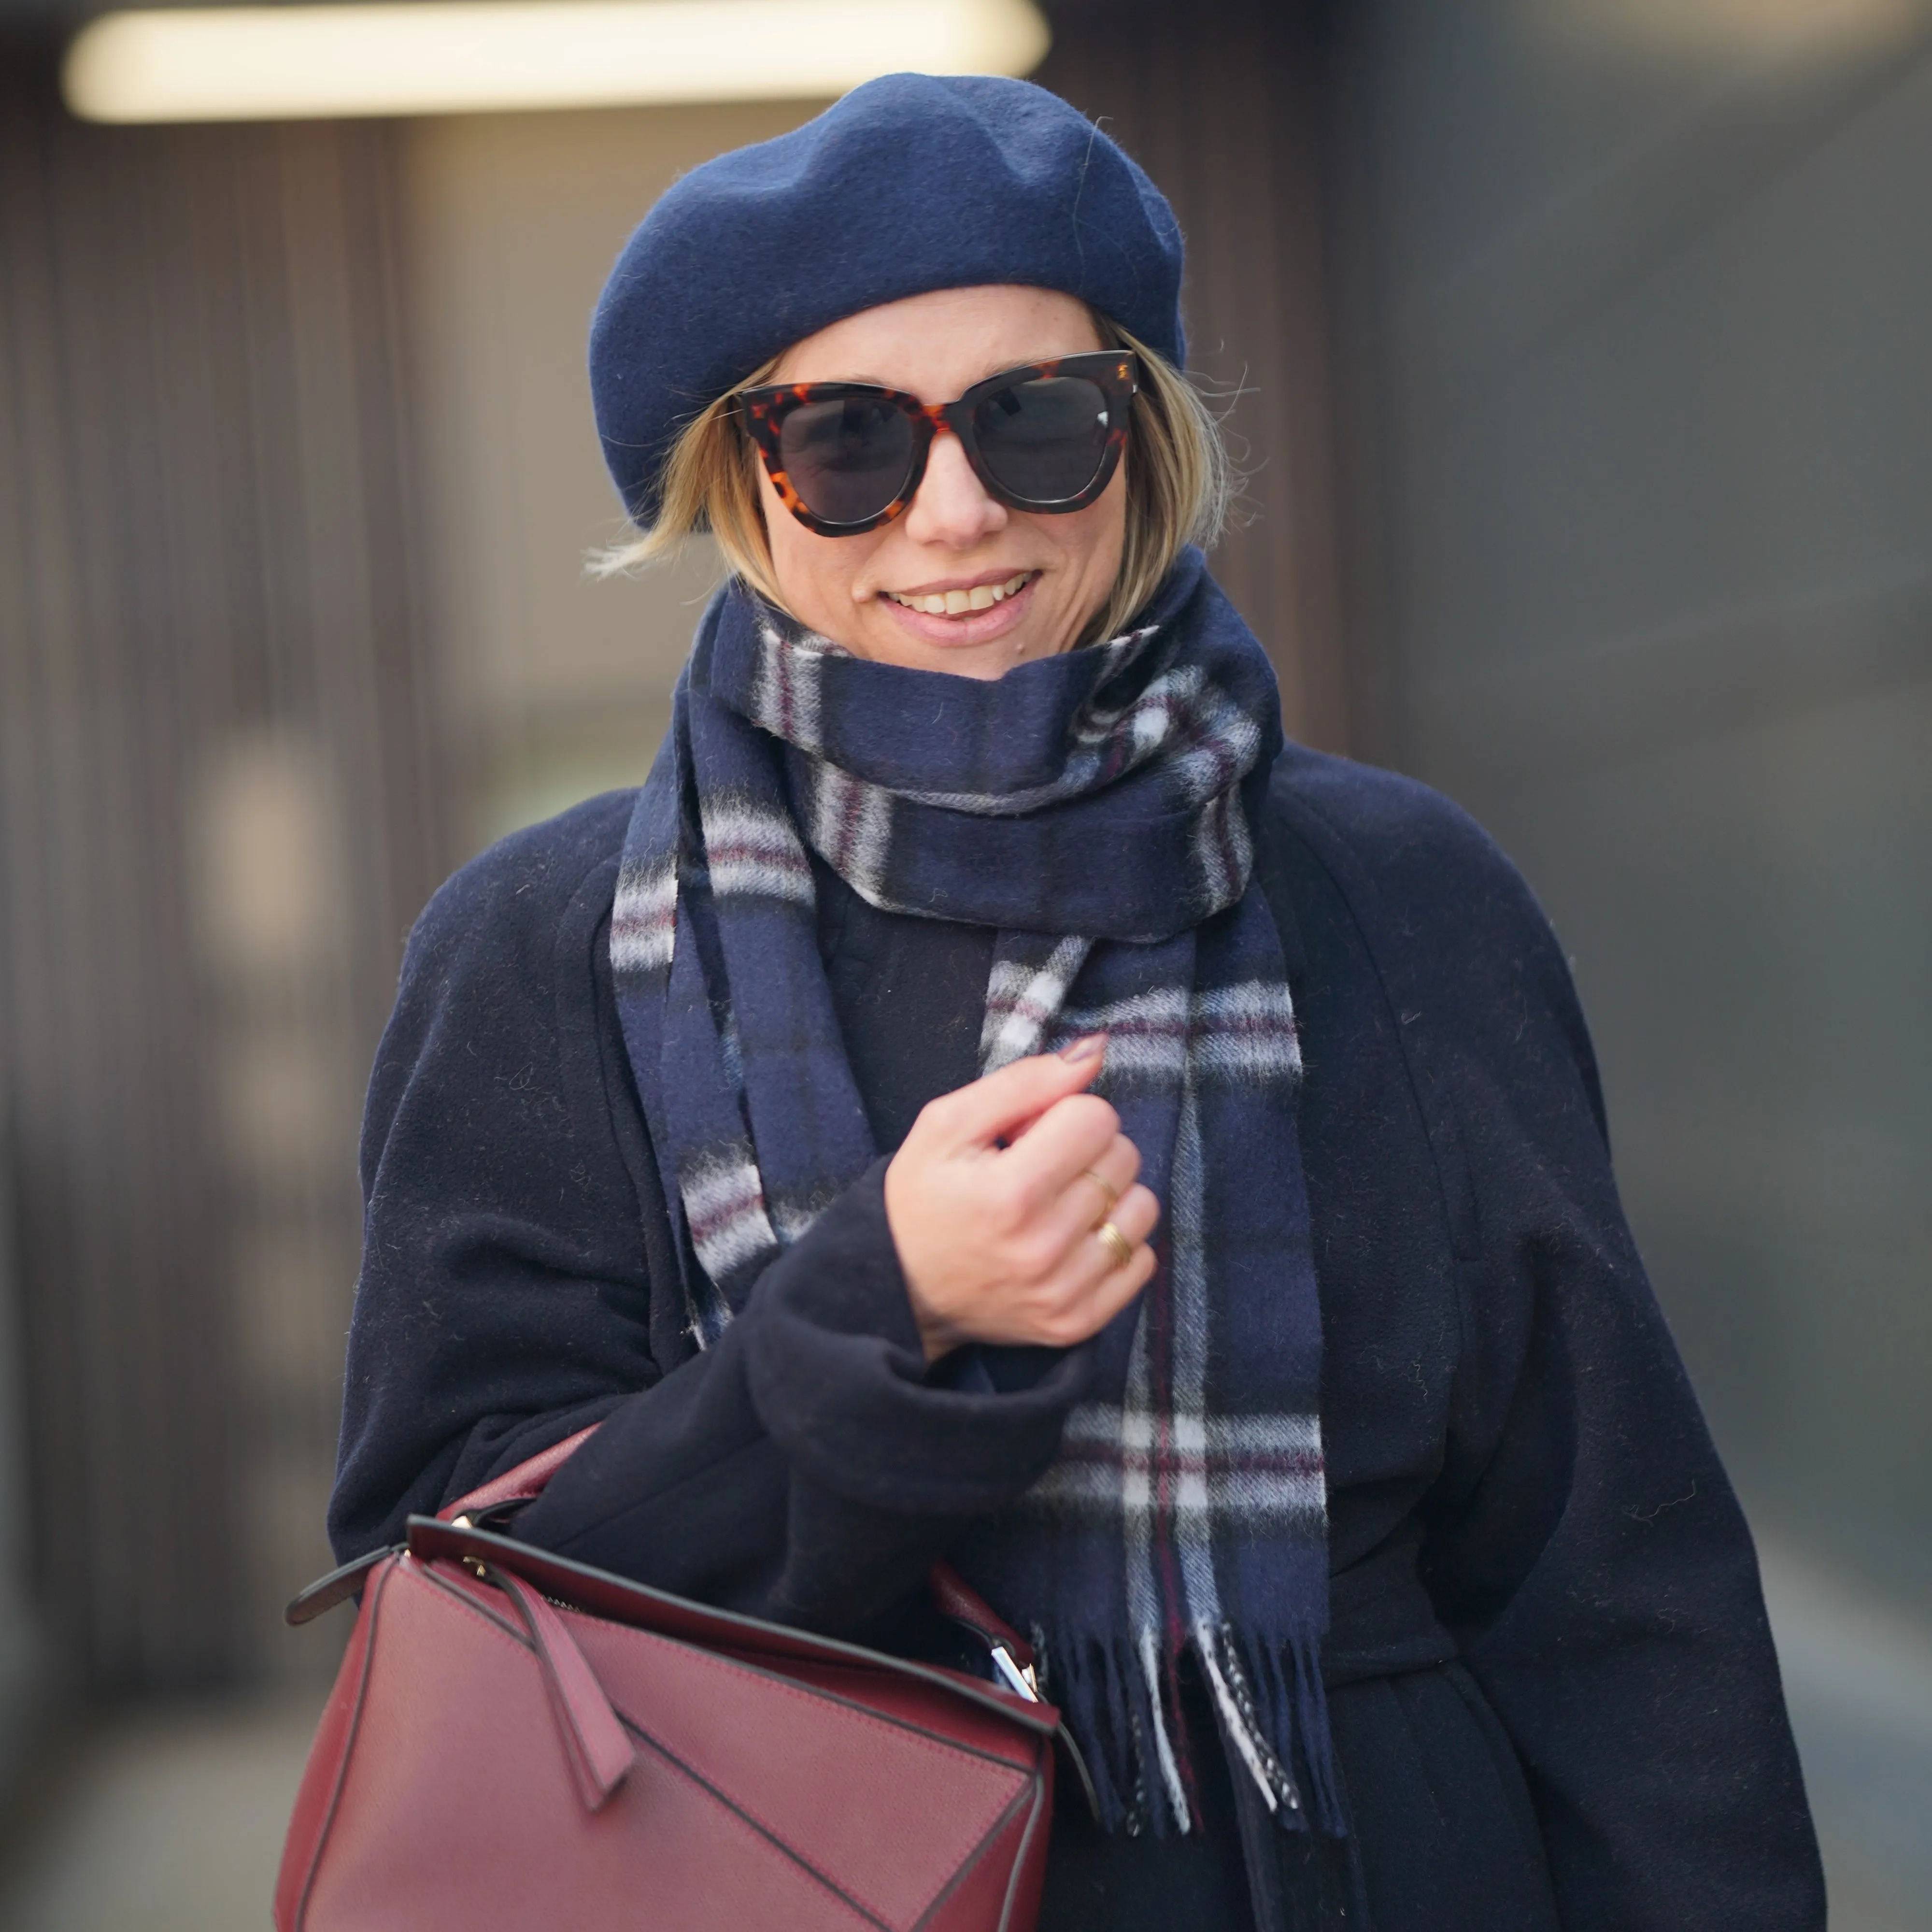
x,y
1105,1186
1116,1243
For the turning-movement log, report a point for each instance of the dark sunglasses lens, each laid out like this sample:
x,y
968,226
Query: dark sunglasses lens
x,y
1043,440
847,459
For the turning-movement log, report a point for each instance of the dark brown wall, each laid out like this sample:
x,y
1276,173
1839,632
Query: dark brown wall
x,y
205,567
213,710
1220,102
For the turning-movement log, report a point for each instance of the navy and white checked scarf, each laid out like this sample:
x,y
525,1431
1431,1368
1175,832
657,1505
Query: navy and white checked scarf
x,y
1094,808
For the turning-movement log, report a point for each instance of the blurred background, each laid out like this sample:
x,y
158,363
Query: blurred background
x,y
1581,358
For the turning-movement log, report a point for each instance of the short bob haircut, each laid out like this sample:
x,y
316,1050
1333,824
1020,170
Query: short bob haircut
x,y
1179,484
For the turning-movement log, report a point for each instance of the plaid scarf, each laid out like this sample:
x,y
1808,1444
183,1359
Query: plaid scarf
x,y
1094,808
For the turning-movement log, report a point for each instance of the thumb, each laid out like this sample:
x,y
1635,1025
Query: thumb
x,y
1000,1105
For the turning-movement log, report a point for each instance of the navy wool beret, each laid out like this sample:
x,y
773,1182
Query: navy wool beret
x,y
909,183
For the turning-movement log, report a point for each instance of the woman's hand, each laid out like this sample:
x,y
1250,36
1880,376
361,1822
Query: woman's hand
x,y
998,1242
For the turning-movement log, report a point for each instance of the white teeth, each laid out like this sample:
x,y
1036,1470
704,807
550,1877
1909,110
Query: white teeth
x,y
952,603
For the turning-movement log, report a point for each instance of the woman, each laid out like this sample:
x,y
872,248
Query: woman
x,y
890,1124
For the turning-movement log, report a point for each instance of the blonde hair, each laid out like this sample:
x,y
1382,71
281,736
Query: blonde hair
x,y
1179,484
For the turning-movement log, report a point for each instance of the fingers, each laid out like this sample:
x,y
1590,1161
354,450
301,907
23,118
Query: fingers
x,y
1072,1134
1094,1191
1136,1216
1092,1285
1110,1175
998,1104
1046,1200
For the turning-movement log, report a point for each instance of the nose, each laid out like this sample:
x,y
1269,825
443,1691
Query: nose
x,y
951,505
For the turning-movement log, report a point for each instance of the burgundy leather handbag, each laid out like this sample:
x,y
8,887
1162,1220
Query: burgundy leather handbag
x,y
517,1740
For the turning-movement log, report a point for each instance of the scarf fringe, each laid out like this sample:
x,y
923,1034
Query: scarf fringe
x,y
1121,1702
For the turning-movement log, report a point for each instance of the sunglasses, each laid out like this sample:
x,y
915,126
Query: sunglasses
x,y
847,457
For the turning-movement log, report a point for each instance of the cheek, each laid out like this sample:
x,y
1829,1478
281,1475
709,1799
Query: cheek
x,y
1090,541
812,572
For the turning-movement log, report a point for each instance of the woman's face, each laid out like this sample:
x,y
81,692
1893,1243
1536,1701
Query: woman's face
x,y
1058,570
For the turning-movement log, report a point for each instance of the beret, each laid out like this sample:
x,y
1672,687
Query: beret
x,y
909,183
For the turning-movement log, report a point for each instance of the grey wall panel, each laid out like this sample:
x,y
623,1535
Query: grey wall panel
x,y
1223,105
1655,493
1754,948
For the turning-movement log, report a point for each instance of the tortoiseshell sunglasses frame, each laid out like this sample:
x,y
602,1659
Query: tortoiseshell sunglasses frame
x,y
1114,372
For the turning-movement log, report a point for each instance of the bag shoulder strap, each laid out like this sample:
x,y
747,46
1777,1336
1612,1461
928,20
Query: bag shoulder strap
x,y
523,1484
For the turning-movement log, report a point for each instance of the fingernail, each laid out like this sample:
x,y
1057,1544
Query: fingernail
x,y
1088,1047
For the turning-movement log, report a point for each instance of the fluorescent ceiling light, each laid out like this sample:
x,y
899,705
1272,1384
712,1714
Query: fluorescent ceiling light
x,y
471,56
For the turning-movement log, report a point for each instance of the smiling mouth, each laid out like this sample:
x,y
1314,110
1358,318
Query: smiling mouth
x,y
955,603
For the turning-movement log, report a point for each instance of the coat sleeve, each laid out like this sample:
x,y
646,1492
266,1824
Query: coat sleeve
x,y
1583,1544
518,1283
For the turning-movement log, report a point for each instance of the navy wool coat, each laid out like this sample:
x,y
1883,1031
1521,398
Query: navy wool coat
x,y
1554,1698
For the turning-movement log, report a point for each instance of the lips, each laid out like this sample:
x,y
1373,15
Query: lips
x,y
955,603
